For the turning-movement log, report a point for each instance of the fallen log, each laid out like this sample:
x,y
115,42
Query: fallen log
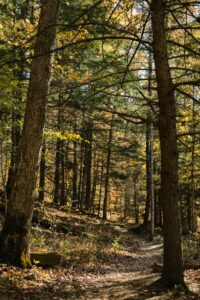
x,y
45,259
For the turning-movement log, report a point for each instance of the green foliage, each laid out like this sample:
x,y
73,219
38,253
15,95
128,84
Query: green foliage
x,y
63,136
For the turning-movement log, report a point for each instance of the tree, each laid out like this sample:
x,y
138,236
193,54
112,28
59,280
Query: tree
x,y
173,267
15,236
108,161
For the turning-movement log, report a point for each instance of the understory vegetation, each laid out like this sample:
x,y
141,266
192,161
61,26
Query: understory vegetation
x,y
99,149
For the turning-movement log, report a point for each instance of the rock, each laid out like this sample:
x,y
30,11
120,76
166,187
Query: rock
x,y
46,259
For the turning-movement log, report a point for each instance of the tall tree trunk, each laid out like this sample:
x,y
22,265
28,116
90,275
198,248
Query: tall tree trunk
x,y
95,177
173,267
75,171
57,172
75,177
152,232
148,174
151,155
59,159
80,176
88,165
63,198
42,173
15,235
101,184
136,204
107,176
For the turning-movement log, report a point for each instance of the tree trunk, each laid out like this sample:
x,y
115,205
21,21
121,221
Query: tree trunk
x,y
136,204
148,174
101,184
42,173
63,198
107,176
152,232
80,176
88,165
75,176
95,177
15,235
172,261
57,173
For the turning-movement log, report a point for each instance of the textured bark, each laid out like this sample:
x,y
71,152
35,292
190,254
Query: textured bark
x,y
42,173
107,175
80,177
152,232
83,185
149,160
136,204
101,184
57,172
88,165
158,209
75,171
172,261
95,177
148,174
15,236
63,198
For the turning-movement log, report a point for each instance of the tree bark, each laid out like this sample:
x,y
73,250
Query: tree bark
x,y
136,204
107,175
80,202
63,198
148,174
101,184
42,173
173,267
57,172
15,236
88,165
75,171
95,178
152,182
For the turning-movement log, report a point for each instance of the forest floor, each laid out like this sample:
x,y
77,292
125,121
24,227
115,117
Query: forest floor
x,y
100,260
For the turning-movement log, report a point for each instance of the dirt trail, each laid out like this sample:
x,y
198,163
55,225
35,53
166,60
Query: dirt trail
x,y
129,277
127,282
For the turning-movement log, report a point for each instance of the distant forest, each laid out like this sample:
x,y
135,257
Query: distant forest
x,y
100,114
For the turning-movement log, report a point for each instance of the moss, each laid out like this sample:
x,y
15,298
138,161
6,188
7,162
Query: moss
x,y
25,261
